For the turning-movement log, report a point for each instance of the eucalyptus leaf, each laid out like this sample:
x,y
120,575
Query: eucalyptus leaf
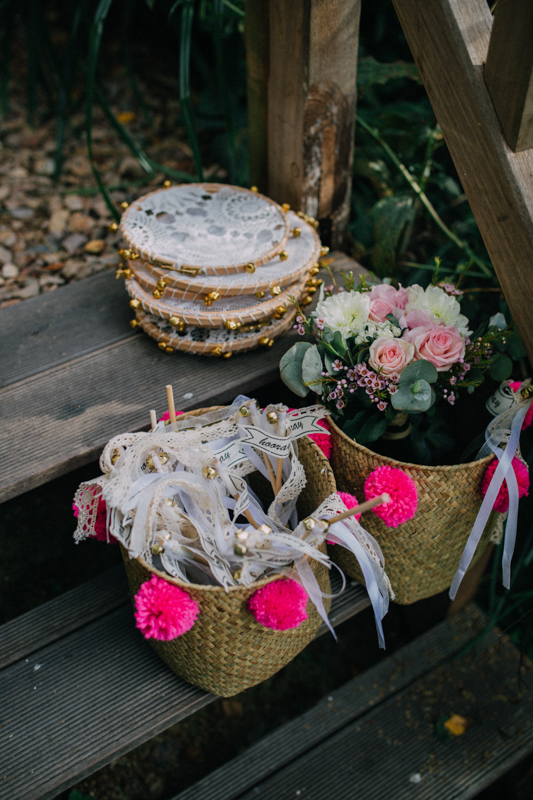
x,y
516,348
329,361
290,368
414,397
497,321
352,426
373,428
312,369
501,368
419,370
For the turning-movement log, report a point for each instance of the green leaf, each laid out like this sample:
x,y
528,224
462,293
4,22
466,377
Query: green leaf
x,y
418,396
373,428
290,368
352,426
501,368
516,348
392,216
329,363
419,370
393,319
475,376
312,368
371,72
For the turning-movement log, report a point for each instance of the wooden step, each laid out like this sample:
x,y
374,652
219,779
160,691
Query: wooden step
x,y
375,736
88,688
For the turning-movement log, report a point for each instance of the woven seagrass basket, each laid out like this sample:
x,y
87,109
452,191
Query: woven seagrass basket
x,y
422,555
226,650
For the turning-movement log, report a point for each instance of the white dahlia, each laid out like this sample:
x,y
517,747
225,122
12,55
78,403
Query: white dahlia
x,y
346,312
443,308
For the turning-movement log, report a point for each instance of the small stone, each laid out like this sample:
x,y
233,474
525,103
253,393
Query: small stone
x,y
44,166
79,222
22,213
58,221
5,191
18,172
5,255
73,202
73,267
49,280
31,289
7,238
72,242
111,260
95,246
130,167
10,271
2,281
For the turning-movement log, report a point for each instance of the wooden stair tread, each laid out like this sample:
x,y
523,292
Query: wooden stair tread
x,y
82,700
374,736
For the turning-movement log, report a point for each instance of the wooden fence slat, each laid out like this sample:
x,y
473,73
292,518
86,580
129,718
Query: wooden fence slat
x,y
449,40
509,71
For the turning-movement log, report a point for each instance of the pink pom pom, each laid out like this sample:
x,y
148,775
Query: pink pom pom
x,y
166,415
402,490
164,611
350,501
522,477
279,605
528,419
100,523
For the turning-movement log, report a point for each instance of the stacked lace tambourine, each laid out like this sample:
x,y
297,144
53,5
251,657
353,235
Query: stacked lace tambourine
x,y
216,269
224,543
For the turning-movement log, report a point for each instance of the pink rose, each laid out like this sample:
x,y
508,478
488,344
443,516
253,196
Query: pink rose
x,y
385,299
417,319
390,355
442,345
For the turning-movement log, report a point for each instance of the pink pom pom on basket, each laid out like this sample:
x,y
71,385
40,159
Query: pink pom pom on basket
x,y
279,605
164,611
501,503
402,490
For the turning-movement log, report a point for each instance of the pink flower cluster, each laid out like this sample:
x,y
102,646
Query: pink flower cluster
x,y
442,345
384,300
402,490
163,610
377,386
279,605
501,503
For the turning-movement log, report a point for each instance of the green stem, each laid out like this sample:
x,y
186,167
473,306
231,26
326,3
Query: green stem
x,y
424,199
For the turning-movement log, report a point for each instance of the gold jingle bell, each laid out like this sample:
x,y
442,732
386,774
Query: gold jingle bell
x,y
209,473
324,251
296,232
161,284
259,295
272,417
135,303
157,293
124,205
115,457
113,227
244,411
279,311
167,184
314,270
275,290
216,351
227,354
135,323
286,207
232,324
283,256
210,298
306,300
157,549
265,341
240,549
164,458
169,349
250,267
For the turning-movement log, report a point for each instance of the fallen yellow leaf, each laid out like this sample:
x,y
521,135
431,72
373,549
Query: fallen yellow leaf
x,y
456,725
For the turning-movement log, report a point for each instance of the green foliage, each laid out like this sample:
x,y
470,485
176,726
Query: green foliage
x,y
290,368
312,368
370,72
501,368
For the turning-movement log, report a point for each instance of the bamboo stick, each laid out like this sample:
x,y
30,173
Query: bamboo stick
x,y
362,509
153,419
171,406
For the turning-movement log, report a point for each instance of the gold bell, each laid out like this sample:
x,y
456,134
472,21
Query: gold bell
x,y
232,324
314,270
157,293
127,272
237,574
169,349
254,189
244,411
113,227
164,458
119,273
135,303
264,341
279,311
311,289
170,502
242,536
216,351
283,256
309,523
166,184
162,345
210,298
275,290
286,207
250,267
157,549
306,300
124,205
227,354
161,284
266,529
260,295
296,232
209,473
175,321
115,457
272,417
134,323
324,251
240,550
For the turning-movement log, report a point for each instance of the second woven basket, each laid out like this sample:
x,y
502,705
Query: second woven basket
x,y
422,555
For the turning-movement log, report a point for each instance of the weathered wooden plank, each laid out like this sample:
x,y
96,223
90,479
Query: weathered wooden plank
x,y
106,675
333,713
311,107
449,40
509,71
50,621
256,27
47,330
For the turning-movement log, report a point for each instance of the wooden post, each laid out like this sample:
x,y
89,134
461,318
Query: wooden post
x,y
509,71
310,105
257,58
449,40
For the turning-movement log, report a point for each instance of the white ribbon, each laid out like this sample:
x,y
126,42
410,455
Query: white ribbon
x,y
504,471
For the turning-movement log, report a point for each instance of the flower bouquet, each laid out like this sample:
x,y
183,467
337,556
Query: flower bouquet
x,y
395,367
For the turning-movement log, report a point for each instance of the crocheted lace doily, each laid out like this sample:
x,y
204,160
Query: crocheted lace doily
x,y
217,228
303,252
243,308
204,341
